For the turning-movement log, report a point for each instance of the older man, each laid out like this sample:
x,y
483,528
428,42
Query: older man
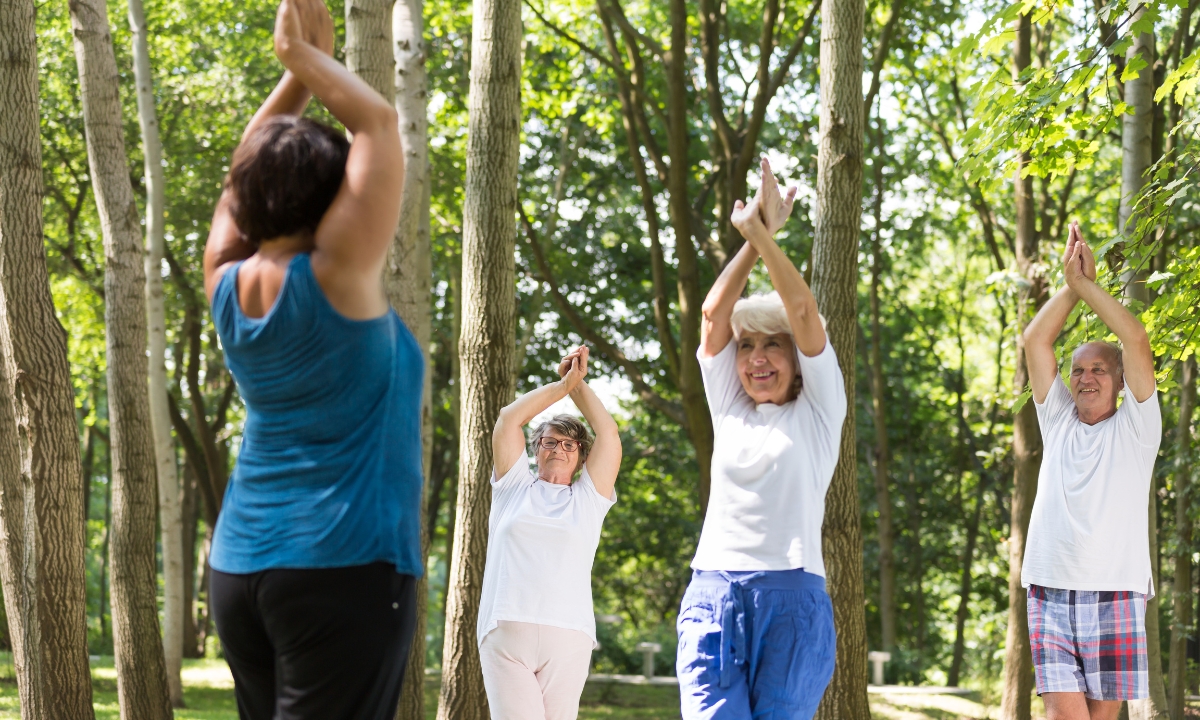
x,y
1087,562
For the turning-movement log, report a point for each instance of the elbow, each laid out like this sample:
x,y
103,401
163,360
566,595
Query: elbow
x,y
380,118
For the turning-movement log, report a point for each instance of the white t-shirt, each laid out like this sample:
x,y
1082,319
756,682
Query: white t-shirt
x,y
542,540
771,466
1089,527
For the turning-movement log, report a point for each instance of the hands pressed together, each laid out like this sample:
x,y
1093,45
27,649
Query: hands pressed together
x,y
303,20
573,368
1079,264
767,212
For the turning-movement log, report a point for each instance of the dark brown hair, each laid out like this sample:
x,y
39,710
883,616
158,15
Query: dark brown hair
x,y
284,177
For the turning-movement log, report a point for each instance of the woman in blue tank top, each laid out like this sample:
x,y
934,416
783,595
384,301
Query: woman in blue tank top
x,y
317,547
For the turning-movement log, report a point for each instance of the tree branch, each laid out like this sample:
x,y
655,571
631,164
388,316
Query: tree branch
x,y
785,67
881,51
588,49
632,371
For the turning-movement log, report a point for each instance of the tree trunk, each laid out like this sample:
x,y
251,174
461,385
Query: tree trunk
x,y
408,280
964,590
1182,586
1027,437
1136,145
835,283
41,514
170,510
887,570
141,671
191,638
488,329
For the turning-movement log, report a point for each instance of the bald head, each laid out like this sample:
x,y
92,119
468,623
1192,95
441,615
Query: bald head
x,y
1107,353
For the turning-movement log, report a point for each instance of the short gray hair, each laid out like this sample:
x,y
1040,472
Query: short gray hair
x,y
568,425
760,313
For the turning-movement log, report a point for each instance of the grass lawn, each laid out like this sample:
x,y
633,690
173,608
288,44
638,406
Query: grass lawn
x,y
208,691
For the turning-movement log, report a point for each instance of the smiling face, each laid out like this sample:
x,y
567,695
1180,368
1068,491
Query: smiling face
x,y
1096,380
557,465
766,365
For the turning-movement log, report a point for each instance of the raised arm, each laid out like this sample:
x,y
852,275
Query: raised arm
x,y
353,237
1043,330
758,222
225,244
605,459
508,438
715,329
1135,343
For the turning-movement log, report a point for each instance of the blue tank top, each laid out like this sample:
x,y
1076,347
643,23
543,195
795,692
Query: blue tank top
x,y
329,470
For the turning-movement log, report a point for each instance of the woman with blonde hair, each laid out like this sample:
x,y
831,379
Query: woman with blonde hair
x,y
536,625
756,635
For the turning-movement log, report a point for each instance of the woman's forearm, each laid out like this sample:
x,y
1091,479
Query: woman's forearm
x,y
593,410
715,330
354,103
289,97
525,408
798,300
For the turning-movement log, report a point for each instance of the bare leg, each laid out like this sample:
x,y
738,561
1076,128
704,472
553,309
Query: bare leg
x,y
1074,706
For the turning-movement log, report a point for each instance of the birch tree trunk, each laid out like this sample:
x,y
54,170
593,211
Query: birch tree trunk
x,y
488,329
41,512
408,281
141,671
1182,586
838,218
1027,436
170,508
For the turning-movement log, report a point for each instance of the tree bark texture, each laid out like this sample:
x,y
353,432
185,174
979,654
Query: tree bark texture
x,y
408,280
41,513
170,508
141,671
1136,143
883,500
1181,629
369,43
1027,436
488,329
835,283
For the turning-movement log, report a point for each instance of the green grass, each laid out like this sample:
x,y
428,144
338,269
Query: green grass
x,y
208,692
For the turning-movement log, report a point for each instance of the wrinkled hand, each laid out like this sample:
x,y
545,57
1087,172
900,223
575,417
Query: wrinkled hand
x,y
573,367
774,208
1079,264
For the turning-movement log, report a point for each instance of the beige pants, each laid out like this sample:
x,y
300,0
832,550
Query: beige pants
x,y
534,671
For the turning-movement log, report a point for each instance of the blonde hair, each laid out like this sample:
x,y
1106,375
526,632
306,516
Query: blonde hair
x,y
762,313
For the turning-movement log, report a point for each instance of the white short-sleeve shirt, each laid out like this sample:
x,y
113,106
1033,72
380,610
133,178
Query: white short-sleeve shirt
x,y
771,466
542,539
1089,528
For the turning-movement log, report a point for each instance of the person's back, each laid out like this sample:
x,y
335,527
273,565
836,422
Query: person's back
x,y
317,547
332,436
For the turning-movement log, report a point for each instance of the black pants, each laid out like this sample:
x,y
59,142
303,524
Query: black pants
x,y
326,644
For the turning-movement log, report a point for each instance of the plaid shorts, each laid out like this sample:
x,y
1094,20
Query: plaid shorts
x,y
1087,641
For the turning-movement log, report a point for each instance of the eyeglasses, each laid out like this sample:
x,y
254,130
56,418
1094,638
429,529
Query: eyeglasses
x,y
549,443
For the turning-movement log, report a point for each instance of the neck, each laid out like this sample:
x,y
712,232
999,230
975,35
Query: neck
x,y
555,478
1091,418
285,246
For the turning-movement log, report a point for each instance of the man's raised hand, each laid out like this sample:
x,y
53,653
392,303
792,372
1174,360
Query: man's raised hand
x,y
1078,262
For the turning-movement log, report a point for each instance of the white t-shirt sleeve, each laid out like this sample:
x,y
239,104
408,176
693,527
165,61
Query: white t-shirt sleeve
x,y
1058,405
721,383
824,388
588,489
506,487
1143,419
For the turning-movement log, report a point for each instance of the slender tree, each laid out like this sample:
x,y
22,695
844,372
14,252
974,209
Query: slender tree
x,y
41,513
141,671
835,283
1181,628
883,500
1027,436
488,330
408,280
170,508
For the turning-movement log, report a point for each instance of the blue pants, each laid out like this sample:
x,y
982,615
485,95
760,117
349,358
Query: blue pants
x,y
754,645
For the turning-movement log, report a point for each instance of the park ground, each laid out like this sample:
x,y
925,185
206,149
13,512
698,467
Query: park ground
x,y
208,692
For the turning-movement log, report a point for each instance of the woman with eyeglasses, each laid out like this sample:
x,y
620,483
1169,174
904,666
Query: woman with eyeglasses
x,y
536,626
